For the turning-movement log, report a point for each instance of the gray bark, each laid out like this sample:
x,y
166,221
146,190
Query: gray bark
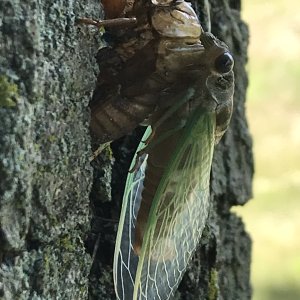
x,y
48,71
48,250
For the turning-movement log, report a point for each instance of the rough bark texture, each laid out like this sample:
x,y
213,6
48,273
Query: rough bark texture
x,y
47,248
48,68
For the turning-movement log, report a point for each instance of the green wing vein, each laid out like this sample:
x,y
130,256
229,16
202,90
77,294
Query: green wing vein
x,y
177,217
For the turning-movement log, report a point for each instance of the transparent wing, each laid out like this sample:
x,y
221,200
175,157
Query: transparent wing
x,y
178,213
125,260
177,217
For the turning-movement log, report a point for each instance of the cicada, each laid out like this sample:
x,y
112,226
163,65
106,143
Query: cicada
x,y
180,84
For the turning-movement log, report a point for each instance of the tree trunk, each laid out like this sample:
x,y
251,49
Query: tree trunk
x,y
47,75
48,250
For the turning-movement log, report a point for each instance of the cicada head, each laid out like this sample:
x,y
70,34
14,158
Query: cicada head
x,y
217,53
177,20
220,80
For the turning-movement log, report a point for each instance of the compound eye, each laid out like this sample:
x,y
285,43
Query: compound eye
x,y
224,63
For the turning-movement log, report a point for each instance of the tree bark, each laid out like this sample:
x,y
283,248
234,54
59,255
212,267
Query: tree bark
x,y
47,75
48,247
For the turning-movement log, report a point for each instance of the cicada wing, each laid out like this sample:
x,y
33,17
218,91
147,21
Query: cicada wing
x,y
178,213
125,260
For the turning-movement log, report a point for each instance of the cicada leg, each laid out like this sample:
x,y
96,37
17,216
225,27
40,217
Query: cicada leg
x,y
99,150
118,22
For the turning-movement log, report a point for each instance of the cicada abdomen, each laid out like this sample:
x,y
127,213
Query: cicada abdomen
x,y
119,115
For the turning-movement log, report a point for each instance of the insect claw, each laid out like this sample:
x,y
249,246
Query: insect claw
x,y
85,21
98,151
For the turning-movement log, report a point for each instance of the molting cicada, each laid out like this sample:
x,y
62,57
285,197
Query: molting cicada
x,y
180,84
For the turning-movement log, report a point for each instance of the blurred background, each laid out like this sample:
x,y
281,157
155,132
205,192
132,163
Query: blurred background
x,y
273,107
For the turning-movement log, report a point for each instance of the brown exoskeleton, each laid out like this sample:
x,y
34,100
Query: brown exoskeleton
x,y
157,72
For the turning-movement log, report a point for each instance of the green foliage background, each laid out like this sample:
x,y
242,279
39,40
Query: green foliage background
x,y
273,108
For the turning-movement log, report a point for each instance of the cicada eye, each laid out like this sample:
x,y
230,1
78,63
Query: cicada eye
x,y
224,63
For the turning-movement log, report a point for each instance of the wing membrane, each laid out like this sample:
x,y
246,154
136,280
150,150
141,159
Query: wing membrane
x,y
125,260
178,213
177,217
